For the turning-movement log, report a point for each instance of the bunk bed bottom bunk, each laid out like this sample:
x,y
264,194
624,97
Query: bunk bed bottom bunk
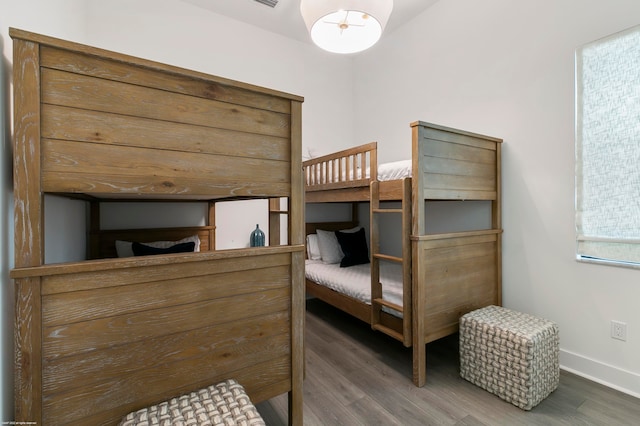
x,y
453,274
98,339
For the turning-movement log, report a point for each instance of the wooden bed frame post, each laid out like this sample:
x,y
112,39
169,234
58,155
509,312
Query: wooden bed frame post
x,y
496,213
417,229
211,221
297,237
29,235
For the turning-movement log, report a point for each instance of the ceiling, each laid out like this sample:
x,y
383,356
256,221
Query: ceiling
x,y
285,18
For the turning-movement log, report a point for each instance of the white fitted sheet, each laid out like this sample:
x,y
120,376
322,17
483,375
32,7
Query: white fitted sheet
x,y
355,281
386,171
394,170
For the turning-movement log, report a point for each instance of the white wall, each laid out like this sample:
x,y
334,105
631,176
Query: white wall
x,y
506,69
187,36
62,18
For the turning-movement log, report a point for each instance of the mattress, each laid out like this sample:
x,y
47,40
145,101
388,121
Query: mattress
x,y
355,281
386,171
394,170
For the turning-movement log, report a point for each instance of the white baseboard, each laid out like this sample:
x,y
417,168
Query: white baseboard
x,y
599,372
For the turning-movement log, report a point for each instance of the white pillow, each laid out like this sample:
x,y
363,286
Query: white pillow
x,y
123,248
330,250
313,250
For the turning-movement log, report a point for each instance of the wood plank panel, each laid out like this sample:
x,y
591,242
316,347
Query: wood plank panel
x,y
86,158
96,168
346,195
244,377
439,149
204,87
74,90
65,339
229,358
59,122
448,166
456,182
78,370
448,194
475,286
457,253
122,272
457,136
65,308
123,187
80,408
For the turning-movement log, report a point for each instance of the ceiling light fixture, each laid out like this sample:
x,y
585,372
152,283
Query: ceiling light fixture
x,y
345,26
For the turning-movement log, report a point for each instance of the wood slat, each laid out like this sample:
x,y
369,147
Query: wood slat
x,y
448,166
66,339
389,304
457,253
80,407
338,195
94,168
471,154
72,124
121,187
450,182
131,271
66,308
77,370
86,158
449,194
205,87
74,90
457,136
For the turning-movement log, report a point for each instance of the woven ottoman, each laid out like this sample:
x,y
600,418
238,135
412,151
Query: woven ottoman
x,y
510,354
224,404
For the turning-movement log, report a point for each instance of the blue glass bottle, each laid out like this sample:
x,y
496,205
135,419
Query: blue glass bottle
x,y
257,238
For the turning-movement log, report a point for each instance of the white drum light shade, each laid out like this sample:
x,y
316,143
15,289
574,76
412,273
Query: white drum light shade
x,y
345,26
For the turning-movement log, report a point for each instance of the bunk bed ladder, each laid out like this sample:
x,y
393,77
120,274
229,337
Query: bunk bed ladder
x,y
377,300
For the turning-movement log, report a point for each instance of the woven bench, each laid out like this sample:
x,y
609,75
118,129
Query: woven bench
x,y
223,404
510,354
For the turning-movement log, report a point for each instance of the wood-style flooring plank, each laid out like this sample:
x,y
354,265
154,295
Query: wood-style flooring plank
x,y
355,376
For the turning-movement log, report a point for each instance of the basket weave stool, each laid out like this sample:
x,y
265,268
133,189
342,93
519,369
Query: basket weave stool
x,y
510,354
223,404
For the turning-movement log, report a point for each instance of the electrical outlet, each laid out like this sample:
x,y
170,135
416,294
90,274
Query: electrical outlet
x,y
619,330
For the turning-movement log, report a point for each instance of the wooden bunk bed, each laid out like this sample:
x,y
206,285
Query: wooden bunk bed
x,y
97,339
444,276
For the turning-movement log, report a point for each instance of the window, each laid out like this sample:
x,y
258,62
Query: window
x,y
608,149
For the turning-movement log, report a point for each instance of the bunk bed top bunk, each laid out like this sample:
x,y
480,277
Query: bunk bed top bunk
x,y
100,338
455,164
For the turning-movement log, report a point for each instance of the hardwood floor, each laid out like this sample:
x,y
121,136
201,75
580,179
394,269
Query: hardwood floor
x,y
355,376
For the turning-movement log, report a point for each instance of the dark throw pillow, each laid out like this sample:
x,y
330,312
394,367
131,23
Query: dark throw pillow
x,y
143,250
354,247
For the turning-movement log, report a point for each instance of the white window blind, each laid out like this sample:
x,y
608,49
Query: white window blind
x,y
608,149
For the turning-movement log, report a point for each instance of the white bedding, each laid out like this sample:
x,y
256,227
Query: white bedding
x,y
355,281
394,170
386,171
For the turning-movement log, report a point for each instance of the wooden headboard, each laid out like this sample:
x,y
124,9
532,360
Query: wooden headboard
x,y
102,243
311,227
